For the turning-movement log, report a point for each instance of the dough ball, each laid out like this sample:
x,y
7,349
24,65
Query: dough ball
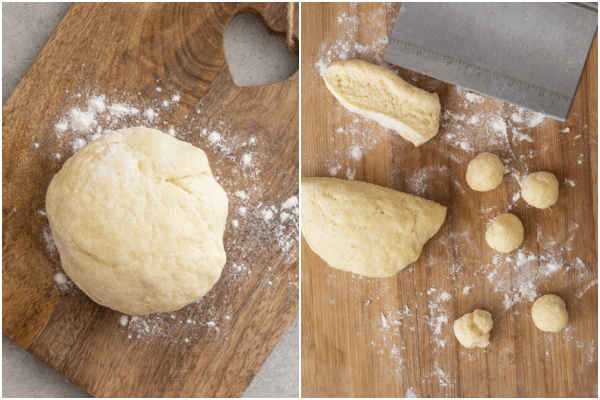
x,y
485,172
138,220
505,233
549,313
540,189
364,228
473,329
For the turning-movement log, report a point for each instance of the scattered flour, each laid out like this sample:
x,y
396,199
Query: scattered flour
x,y
88,116
150,114
356,152
424,180
443,377
267,215
247,159
60,278
333,171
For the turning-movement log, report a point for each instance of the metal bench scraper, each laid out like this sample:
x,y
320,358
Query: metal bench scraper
x,y
527,54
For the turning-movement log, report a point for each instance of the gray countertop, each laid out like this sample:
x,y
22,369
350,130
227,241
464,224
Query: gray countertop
x,y
25,29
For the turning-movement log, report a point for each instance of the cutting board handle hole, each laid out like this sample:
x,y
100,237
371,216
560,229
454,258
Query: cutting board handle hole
x,y
257,55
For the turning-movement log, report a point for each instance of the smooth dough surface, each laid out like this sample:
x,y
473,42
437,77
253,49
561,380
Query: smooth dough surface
x,y
540,189
473,329
505,233
549,313
138,220
379,94
364,228
485,172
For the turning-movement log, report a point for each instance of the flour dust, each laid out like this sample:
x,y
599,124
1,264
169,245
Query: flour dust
x,y
237,161
475,124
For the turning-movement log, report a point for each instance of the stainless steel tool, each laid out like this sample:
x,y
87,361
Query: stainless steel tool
x,y
527,54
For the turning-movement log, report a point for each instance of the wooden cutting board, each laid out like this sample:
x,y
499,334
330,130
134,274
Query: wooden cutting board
x,y
169,58
393,337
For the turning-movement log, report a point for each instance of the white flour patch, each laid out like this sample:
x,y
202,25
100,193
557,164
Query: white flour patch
x,y
356,152
77,144
149,114
424,180
443,377
63,283
346,47
61,278
247,159
587,287
49,239
350,174
438,316
475,98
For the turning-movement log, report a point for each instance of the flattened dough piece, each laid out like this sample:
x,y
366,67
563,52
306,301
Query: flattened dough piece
x,y
138,220
366,229
379,94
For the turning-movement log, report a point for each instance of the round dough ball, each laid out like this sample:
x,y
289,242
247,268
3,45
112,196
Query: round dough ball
x,y
138,220
549,313
473,329
505,233
485,172
540,189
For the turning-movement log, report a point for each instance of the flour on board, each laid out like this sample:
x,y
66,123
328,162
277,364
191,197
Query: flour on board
x,y
90,115
475,124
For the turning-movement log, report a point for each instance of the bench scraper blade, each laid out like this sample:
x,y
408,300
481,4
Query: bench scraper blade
x,y
527,54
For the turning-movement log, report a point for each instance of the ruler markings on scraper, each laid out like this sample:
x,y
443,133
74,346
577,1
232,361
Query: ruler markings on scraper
x,y
478,71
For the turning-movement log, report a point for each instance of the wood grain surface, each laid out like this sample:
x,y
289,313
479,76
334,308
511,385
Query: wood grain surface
x,y
393,337
143,55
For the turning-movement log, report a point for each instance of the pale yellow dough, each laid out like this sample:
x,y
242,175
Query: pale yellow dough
x,y
485,172
549,313
473,329
505,233
138,220
379,94
366,229
540,189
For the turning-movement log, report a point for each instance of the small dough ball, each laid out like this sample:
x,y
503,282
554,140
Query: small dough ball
x,y
138,220
549,313
485,172
505,233
540,189
473,329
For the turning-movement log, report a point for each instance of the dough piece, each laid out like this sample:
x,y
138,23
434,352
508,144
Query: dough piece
x,y
473,329
505,233
549,313
379,94
138,220
366,229
485,172
540,189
